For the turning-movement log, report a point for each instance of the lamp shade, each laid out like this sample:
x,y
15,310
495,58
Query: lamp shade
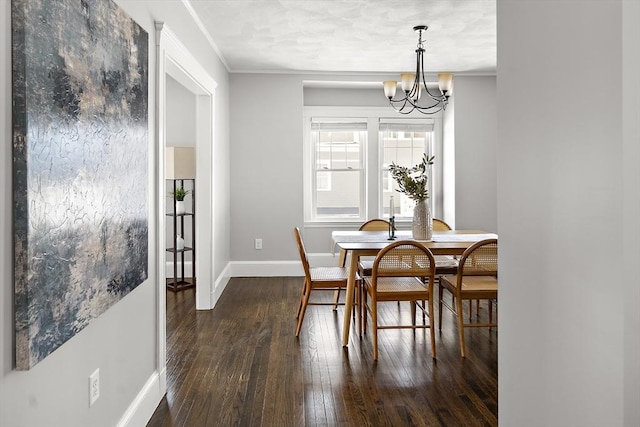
x,y
407,81
180,163
445,81
390,88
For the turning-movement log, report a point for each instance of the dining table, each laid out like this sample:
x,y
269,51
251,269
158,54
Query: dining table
x,y
369,243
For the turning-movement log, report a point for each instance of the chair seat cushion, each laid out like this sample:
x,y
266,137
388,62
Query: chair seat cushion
x,y
471,284
329,273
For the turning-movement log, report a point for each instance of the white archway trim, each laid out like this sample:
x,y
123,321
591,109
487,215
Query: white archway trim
x,y
174,59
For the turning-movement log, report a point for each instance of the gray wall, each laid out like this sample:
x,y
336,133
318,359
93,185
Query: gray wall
x,y
476,126
267,162
266,165
121,342
181,115
345,97
568,211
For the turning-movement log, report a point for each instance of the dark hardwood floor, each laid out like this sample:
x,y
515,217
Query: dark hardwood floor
x,y
241,364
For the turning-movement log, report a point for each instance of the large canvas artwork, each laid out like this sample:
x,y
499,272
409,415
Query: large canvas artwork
x,y
80,148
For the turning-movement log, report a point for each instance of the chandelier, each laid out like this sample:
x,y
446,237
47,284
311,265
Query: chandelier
x,y
417,95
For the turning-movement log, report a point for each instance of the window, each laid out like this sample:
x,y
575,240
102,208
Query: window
x,y
403,142
337,175
347,152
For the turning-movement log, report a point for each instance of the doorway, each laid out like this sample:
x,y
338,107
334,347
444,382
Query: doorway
x,y
176,65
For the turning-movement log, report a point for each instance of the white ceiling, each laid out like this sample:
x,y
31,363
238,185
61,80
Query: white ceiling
x,y
350,36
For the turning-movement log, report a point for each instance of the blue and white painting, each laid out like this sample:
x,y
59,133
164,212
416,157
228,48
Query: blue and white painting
x,y
80,166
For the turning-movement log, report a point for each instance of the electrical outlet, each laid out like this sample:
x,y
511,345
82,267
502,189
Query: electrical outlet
x,y
94,387
258,244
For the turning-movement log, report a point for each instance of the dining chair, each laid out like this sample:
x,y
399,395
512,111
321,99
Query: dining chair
x,y
440,225
397,275
317,278
375,224
445,264
476,279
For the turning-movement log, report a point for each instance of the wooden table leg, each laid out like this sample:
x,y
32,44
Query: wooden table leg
x,y
348,303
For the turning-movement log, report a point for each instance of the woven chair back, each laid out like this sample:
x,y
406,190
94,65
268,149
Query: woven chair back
x,y
481,259
404,258
440,225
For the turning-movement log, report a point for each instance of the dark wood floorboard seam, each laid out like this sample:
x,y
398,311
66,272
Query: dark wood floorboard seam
x,y
240,364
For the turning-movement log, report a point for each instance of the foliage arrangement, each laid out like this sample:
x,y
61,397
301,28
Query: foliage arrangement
x,y
413,181
180,193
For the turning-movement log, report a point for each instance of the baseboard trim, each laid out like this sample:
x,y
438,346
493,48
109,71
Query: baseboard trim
x,y
220,284
144,405
280,268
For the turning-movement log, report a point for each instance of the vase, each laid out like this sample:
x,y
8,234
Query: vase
x,y
179,243
422,227
180,207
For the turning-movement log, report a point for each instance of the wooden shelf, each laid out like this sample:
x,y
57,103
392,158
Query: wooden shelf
x,y
186,249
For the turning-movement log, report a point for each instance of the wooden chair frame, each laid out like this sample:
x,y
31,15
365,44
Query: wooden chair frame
x,y
317,278
440,225
375,224
477,279
402,271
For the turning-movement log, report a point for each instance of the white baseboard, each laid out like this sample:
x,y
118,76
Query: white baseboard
x,y
144,405
259,269
220,284
280,268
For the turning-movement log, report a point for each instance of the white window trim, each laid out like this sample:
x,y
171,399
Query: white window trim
x,y
372,184
434,191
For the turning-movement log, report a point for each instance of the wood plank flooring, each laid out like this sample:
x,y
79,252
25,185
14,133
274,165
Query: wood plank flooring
x,y
240,364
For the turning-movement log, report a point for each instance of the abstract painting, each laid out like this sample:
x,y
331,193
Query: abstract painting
x,y
80,167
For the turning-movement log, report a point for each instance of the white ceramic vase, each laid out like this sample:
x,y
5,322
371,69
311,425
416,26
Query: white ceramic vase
x,y
180,207
422,226
179,243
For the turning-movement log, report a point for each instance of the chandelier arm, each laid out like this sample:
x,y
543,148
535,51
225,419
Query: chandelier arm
x,y
436,97
429,112
400,109
408,106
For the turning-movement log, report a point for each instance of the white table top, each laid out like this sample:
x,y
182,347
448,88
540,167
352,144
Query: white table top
x,y
382,236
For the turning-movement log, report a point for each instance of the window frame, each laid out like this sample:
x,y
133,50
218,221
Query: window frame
x,y
311,170
429,128
372,194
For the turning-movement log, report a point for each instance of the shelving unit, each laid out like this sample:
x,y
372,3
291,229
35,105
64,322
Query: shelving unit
x,y
179,282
